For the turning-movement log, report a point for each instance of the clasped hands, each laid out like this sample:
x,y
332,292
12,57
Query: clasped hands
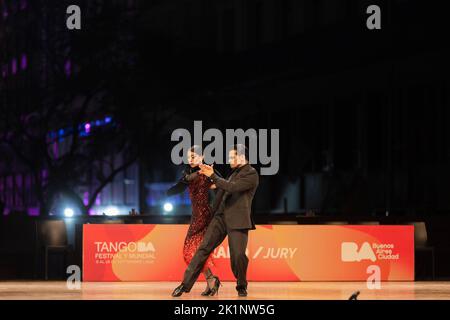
x,y
206,170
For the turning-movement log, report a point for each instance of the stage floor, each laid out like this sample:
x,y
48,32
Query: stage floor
x,y
57,290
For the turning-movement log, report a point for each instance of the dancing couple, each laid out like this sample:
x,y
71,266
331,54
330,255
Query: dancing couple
x,y
230,216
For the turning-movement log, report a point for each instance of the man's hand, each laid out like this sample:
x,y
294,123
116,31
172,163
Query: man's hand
x,y
206,170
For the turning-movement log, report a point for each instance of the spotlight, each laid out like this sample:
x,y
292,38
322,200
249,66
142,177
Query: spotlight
x,y
111,211
168,207
68,212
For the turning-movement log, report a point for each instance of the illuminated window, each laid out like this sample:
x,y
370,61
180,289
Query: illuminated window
x,y
5,71
23,4
5,12
14,66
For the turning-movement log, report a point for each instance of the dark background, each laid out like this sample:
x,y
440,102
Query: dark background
x,y
362,113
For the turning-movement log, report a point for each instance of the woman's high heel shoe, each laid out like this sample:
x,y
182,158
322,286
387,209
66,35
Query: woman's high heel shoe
x,y
207,291
215,289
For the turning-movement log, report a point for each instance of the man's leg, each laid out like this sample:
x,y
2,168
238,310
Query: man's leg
x,y
238,239
214,236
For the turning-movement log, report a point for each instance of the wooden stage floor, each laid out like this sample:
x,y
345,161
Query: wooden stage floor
x,y
57,290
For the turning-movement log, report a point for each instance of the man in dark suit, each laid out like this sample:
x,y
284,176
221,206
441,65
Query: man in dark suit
x,y
232,218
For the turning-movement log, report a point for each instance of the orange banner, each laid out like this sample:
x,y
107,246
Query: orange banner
x,y
276,253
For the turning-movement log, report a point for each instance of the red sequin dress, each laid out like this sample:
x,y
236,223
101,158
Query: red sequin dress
x,y
201,217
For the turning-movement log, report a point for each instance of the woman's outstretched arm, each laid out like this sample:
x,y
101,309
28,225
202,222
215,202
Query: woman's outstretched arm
x,y
183,183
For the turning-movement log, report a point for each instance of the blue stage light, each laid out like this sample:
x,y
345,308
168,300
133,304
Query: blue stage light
x,y
168,207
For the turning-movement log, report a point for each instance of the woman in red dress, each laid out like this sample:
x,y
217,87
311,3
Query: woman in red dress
x,y
198,186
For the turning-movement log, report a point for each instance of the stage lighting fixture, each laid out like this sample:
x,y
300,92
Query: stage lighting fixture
x,y
112,211
168,207
68,212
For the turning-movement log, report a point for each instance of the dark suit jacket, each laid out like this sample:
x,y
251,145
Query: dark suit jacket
x,y
235,200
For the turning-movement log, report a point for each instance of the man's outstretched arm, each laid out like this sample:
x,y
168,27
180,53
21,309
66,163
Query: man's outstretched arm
x,y
241,183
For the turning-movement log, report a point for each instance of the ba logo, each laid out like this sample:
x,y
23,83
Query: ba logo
x,y
350,252
145,247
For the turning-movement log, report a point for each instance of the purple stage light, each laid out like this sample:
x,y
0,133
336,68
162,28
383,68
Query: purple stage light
x,y
68,68
23,62
33,212
86,198
98,200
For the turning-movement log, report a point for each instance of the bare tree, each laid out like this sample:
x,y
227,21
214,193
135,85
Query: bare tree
x,y
83,77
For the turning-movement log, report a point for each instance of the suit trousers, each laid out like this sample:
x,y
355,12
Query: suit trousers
x,y
214,236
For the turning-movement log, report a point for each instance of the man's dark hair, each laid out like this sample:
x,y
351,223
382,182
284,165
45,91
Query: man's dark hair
x,y
240,150
196,149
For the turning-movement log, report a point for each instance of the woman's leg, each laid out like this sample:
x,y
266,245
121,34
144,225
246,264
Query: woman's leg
x,y
209,276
